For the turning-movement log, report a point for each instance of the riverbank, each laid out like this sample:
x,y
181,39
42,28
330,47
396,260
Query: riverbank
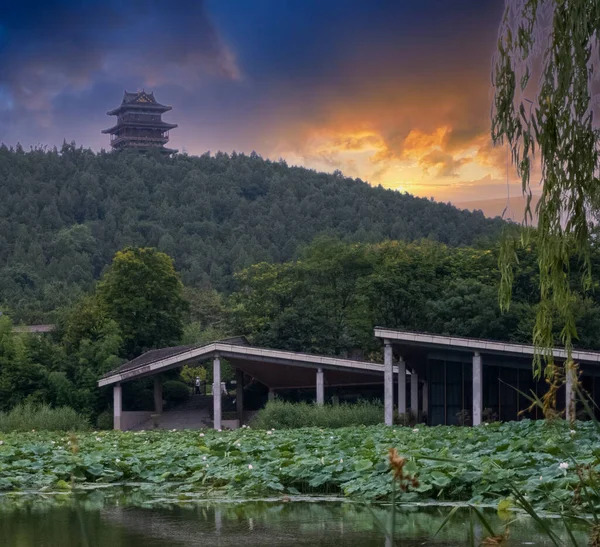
x,y
450,463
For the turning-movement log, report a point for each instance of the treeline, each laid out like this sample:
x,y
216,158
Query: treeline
x,y
137,305
64,213
327,301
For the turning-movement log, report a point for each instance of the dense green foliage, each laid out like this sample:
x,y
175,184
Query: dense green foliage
x,y
138,305
327,301
30,417
65,213
143,294
285,415
330,299
175,392
62,369
548,124
352,461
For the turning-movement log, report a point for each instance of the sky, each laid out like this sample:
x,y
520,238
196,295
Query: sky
x,y
395,93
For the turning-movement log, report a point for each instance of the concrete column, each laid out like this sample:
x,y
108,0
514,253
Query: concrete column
x,y
158,395
271,396
414,393
239,394
117,406
570,379
425,400
401,386
320,387
388,384
216,387
477,389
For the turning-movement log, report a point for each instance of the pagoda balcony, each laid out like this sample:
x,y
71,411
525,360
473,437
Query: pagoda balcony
x,y
115,140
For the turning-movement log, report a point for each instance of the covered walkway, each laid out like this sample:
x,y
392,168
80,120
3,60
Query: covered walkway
x,y
455,378
276,369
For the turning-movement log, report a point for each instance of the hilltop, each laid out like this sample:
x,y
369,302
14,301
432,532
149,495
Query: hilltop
x,y
65,212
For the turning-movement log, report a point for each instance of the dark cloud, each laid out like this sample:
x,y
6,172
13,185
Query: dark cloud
x,y
61,47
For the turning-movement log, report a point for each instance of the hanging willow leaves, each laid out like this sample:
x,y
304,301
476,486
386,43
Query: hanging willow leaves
x,y
544,76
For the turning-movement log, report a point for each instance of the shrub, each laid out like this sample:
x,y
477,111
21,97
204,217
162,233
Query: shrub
x,y
25,417
283,415
407,419
105,420
175,392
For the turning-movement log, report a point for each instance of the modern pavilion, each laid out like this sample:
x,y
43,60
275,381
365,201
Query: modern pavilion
x,y
439,379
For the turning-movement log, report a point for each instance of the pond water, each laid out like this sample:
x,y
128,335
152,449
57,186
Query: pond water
x,y
101,520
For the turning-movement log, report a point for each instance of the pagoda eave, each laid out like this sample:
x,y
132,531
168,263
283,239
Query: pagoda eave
x,y
141,125
158,108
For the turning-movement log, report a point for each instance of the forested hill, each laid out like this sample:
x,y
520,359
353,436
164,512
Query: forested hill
x,y
63,214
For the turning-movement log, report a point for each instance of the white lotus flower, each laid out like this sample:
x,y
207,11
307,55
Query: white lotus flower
x,y
564,466
238,444
250,466
201,434
416,430
341,460
541,477
572,432
98,439
204,458
269,433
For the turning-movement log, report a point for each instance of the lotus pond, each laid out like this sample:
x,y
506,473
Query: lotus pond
x,y
451,463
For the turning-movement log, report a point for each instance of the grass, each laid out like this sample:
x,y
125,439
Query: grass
x,y
27,417
284,415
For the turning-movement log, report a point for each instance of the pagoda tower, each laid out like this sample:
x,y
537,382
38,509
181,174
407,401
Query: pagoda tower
x,y
139,124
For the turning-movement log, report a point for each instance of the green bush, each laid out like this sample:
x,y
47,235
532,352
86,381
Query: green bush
x,y
25,417
175,392
284,415
105,420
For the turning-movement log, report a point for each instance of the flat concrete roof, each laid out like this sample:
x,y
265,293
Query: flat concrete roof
x,y
439,341
245,356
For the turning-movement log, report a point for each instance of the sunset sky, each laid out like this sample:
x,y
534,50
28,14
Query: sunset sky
x,y
396,93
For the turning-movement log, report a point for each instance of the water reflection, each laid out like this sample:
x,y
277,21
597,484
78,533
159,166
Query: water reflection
x,y
109,519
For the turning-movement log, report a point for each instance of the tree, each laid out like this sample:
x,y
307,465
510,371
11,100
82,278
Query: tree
x,y
549,127
142,293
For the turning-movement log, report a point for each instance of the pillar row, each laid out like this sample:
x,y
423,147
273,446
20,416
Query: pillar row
x,y
401,386
477,388
117,406
239,394
216,388
414,393
320,387
388,384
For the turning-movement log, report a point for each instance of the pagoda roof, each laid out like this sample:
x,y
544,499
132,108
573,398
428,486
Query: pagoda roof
x,y
132,123
139,100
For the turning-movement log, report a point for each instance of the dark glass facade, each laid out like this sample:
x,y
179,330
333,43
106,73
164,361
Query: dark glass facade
x,y
507,389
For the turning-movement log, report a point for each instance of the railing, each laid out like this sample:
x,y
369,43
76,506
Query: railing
x,y
115,139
